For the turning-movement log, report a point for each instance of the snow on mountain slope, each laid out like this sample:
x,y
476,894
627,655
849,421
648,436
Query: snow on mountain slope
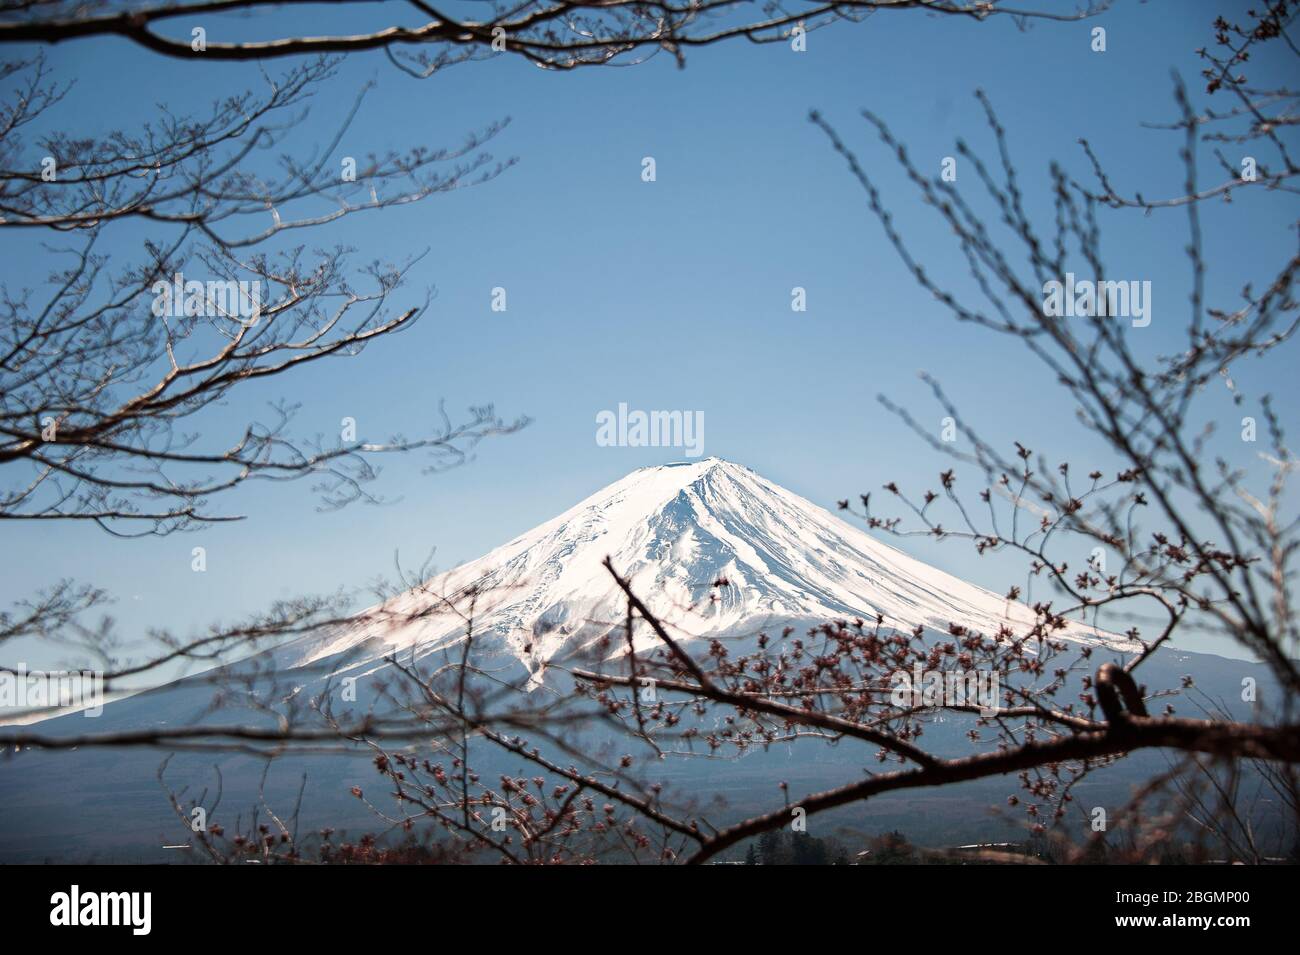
x,y
676,529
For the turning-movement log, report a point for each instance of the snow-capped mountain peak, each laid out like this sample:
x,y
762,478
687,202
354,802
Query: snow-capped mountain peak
x,y
677,531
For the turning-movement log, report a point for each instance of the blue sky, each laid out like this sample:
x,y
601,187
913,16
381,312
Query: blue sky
x,y
673,294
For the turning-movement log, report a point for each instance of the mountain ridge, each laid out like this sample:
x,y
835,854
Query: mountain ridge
x,y
712,548
671,523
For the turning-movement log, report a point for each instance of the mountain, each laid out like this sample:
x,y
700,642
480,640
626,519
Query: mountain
x,y
676,530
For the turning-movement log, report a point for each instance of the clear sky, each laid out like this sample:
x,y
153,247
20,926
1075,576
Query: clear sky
x,y
673,294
